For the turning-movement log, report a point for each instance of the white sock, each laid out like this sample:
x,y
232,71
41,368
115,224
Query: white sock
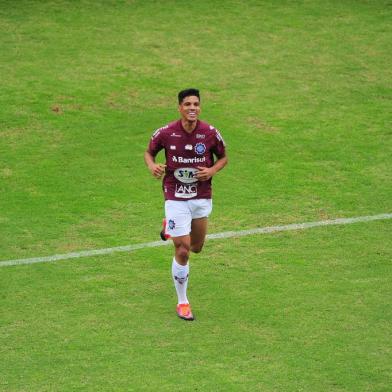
x,y
180,275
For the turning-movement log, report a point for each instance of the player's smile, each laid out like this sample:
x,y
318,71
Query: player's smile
x,y
192,114
190,108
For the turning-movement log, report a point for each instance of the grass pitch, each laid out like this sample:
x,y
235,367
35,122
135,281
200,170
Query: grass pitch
x,y
302,95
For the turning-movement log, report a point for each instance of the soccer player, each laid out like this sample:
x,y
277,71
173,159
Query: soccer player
x,y
195,152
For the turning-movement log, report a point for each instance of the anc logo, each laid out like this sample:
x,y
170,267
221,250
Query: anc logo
x,y
200,148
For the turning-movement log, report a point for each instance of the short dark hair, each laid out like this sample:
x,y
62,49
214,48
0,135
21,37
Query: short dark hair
x,y
187,93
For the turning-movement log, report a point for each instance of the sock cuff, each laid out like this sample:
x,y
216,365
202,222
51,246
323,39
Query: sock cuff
x,y
180,270
177,264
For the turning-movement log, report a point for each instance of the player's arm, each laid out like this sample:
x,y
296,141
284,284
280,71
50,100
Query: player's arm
x,y
156,169
205,173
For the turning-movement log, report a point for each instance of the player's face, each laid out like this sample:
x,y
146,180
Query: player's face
x,y
189,108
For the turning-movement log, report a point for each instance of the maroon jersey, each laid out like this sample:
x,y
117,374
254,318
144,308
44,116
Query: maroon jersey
x,y
184,153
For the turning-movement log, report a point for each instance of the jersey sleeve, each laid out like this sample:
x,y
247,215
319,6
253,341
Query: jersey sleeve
x,y
156,142
219,148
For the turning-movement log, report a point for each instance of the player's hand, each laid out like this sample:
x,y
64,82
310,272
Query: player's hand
x,y
157,170
204,173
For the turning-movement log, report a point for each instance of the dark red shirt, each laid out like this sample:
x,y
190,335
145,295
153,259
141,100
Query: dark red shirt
x,y
184,153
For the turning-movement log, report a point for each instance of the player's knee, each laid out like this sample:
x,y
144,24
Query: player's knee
x,y
182,251
196,248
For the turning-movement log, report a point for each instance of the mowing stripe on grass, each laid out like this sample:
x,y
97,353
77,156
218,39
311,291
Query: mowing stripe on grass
x,y
226,234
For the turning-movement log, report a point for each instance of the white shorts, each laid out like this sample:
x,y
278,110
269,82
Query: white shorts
x,y
179,214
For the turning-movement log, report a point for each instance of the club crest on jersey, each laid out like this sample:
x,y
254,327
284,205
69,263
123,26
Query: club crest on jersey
x,y
200,148
189,147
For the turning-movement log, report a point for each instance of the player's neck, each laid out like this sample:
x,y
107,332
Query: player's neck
x,y
189,126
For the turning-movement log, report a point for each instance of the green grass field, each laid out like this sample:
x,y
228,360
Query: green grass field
x,y
301,91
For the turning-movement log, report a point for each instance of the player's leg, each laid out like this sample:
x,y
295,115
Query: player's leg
x,y
180,274
179,220
182,246
198,234
201,209
180,267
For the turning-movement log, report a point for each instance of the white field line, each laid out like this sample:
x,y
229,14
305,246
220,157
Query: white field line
x,y
226,234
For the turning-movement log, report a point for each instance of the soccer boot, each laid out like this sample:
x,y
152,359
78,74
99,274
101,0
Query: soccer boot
x,y
163,234
184,311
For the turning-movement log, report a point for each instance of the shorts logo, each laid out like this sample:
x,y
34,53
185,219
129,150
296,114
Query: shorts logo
x,y
200,148
171,224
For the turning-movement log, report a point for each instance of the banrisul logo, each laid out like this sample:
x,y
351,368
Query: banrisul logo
x,y
200,148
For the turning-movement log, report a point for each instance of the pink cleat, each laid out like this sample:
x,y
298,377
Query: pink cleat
x,y
184,311
163,234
